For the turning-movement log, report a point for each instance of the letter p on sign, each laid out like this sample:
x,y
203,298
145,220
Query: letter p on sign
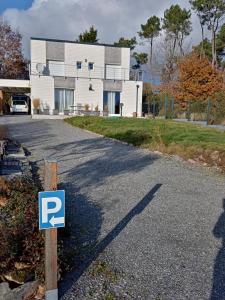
x,y
51,209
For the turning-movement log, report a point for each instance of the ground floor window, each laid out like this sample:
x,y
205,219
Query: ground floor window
x,y
111,102
64,99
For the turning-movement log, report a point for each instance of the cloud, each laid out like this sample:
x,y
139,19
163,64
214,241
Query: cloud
x,y
66,19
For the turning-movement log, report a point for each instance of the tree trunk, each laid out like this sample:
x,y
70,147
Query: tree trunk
x,y
214,60
202,48
151,50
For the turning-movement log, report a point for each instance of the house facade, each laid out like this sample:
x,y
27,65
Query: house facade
x,y
66,76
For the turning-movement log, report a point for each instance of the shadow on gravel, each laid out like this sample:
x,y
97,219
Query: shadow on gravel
x,y
91,215
100,158
218,288
33,133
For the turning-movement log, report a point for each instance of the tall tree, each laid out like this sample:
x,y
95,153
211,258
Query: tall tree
x,y
12,62
89,36
198,7
149,31
177,23
124,42
212,12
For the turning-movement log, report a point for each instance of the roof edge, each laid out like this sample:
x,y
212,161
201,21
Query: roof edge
x,y
74,42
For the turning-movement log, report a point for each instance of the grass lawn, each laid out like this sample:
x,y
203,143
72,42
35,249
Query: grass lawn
x,y
183,139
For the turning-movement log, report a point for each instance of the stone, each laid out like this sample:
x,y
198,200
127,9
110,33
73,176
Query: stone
x,y
4,290
192,161
26,291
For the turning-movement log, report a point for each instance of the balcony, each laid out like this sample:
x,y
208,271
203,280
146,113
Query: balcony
x,y
109,72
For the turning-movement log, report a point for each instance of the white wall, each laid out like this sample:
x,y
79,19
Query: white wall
x,y
128,97
80,52
38,54
43,89
125,62
84,96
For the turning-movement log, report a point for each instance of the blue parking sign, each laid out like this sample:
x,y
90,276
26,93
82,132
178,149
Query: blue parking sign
x,y
51,209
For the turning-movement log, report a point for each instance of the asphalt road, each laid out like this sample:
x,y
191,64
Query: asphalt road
x,y
144,226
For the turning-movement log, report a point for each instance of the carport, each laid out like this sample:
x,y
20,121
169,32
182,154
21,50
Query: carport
x,y
12,87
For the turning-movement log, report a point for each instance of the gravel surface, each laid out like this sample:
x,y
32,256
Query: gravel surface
x,y
145,226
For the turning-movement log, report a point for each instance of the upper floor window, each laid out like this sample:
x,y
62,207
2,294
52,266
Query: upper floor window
x,y
90,66
79,65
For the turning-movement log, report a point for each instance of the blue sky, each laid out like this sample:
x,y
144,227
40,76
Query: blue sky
x,y
20,4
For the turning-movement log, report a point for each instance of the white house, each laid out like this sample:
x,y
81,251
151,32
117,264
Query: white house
x,y
67,75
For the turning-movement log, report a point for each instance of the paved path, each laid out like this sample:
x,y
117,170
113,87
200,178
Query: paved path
x,y
149,227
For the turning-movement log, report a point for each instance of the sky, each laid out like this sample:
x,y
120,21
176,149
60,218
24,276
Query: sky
x,y
65,19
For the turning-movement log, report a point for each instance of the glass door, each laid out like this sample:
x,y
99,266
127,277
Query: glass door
x,y
64,99
111,102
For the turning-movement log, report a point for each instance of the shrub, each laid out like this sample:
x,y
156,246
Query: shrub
x,y
36,103
86,107
20,239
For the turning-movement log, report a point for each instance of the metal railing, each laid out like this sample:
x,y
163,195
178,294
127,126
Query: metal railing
x,y
66,70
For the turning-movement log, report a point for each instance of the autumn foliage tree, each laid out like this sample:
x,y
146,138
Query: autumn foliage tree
x,y
12,63
197,79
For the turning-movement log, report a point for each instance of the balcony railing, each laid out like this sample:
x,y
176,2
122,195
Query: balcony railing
x,y
65,70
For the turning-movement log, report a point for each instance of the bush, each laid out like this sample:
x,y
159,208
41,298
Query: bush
x,y
20,239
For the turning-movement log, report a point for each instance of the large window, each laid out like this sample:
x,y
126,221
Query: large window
x,y
111,102
64,99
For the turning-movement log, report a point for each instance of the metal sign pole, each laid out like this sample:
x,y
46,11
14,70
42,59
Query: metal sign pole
x,y
51,269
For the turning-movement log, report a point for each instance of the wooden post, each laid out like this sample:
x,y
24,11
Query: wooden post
x,y
51,269
1,102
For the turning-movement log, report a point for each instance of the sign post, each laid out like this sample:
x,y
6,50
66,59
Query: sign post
x,y
51,216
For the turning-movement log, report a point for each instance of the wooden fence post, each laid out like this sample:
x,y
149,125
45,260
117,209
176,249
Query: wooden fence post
x,y
51,269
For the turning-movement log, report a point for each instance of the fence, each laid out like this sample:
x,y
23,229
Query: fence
x,y
209,111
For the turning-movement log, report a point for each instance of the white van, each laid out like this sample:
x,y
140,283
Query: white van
x,y
19,104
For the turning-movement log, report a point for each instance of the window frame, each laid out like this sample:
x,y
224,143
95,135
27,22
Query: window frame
x,y
90,63
79,62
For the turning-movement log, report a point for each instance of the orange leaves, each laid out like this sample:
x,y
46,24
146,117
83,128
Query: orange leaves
x,y
197,79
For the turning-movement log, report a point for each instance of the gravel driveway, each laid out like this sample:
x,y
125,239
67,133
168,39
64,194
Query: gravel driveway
x,y
145,227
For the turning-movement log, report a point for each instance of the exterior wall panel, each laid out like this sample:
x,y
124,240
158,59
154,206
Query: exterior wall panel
x,y
55,51
125,62
92,98
85,54
43,89
128,97
38,54
113,55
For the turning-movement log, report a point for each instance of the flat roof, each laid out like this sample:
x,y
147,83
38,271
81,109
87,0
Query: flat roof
x,y
74,42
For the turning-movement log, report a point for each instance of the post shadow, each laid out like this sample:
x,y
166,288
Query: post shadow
x,y
102,245
218,288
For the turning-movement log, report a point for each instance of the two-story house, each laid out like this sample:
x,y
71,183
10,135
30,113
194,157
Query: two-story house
x,y
68,74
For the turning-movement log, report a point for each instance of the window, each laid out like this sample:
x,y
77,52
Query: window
x,y
111,102
79,65
64,99
90,66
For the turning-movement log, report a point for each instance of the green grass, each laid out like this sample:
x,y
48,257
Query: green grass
x,y
184,139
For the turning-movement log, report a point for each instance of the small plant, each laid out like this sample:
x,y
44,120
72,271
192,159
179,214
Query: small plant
x,y
96,108
36,103
86,107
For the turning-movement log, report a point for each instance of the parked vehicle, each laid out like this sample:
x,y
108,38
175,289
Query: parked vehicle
x,y
19,104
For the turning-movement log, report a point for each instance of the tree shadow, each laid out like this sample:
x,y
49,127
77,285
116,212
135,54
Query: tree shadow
x,y
218,288
98,247
96,159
